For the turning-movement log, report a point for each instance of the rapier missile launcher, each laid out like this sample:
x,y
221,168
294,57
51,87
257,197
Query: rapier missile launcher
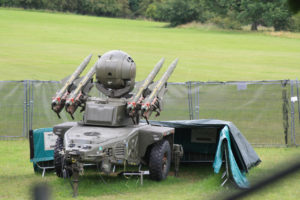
x,y
79,95
110,133
59,100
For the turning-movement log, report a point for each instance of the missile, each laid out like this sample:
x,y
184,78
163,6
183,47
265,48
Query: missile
x,y
137,99
59,100
150,103
76,98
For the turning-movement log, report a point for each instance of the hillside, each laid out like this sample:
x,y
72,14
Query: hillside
x,y
49,46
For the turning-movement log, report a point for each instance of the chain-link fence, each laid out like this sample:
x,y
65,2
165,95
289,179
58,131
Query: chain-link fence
x,y
267,112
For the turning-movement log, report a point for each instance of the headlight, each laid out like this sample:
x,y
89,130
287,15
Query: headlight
x,y
86,147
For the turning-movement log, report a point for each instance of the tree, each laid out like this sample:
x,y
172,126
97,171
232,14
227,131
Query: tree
x,y
176,11
252,12
134,6
222,7
265,12
182,12
278,15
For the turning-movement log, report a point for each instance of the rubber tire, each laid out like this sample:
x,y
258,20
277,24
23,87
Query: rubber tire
x,y
59,145
160,160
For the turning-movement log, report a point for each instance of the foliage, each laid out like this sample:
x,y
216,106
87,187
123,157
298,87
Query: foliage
x,y
134,5
226,23
176,11
229,14
294,6
113,8
277,15
252,12
223,7
266,13
295,22
158,10
181,12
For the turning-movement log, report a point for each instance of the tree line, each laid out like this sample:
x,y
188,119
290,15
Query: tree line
x,y
228,14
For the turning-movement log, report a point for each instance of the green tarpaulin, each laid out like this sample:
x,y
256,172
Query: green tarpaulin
x,y
241,155
39,152
238,176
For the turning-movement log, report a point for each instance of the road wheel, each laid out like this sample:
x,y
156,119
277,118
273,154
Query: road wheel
x,y
59,162
58,158
160,160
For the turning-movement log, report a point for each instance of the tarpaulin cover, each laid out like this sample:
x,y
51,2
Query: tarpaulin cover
x,y
243,152
40,154
238,176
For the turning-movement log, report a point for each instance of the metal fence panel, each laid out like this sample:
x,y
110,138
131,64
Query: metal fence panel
x,y
295,111
255,107
41,114
175,104
13,106
262,110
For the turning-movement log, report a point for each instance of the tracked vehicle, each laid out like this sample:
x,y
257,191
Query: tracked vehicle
x,y
110,133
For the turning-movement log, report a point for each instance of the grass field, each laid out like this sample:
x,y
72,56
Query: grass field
x,y
195,182
49,46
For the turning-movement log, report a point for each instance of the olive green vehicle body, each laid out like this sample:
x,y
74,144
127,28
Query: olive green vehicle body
x,y
110,133
112,145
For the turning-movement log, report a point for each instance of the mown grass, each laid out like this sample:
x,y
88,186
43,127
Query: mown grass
x,y
49,46
195,181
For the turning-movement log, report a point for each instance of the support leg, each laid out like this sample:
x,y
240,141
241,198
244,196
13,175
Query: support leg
x,y
43,174
75,181
142,178
178,153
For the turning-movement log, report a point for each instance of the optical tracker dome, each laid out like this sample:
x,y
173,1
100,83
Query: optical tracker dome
x,y
115,74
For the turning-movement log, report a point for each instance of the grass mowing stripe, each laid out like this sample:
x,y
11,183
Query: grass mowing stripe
x,y
53,44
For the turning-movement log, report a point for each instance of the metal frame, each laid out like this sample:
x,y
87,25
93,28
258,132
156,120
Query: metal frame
x,y
25,109
44,168
193,97
297,84
140,173
226,174
190,100
293,135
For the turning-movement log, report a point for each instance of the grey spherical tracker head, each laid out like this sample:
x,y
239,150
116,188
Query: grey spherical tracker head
x,y
115,74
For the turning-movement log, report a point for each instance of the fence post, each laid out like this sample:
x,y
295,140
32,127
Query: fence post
x,y
24,107
190,100
298,98
27,106
285,111
197,101
292,115
31,101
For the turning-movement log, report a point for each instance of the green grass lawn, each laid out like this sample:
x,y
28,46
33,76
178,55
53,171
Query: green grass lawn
x,y
49,46
195,182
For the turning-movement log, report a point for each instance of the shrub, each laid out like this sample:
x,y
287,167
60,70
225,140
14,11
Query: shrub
x,y
226,23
